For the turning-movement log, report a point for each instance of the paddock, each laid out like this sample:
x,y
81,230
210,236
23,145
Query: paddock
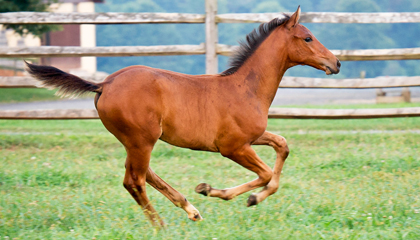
x,y
342,180
346,176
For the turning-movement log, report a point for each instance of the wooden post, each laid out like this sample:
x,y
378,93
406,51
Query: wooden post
x,y
406,95
211,37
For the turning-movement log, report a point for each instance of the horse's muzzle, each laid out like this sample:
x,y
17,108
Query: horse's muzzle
x,y
334,70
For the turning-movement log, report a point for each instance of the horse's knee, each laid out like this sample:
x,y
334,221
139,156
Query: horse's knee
x,y
281,146
281,142
264,172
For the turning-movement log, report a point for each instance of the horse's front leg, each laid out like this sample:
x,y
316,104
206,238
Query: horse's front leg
x,y
280,146
246,157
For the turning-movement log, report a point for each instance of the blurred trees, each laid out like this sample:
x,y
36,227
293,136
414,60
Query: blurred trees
x,y
151,34
333,36
27,6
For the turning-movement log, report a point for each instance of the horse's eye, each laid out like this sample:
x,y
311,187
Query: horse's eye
x,y
308,39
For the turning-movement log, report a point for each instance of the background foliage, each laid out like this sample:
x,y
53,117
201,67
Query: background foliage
x,y
28,6
333,36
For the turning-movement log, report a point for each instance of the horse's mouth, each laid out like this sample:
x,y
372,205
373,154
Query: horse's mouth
x,y
330,71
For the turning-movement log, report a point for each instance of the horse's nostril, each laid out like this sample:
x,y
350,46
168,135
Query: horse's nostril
x,y
338,63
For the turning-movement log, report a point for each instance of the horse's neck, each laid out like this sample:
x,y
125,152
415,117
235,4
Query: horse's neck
x,y
264,70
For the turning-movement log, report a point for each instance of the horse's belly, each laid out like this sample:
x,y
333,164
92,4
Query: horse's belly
x,y
194,145
188,136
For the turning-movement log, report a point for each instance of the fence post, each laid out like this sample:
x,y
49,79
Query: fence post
x,y
211,37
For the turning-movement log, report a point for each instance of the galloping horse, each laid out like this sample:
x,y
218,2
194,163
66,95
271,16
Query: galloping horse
x,y
225,113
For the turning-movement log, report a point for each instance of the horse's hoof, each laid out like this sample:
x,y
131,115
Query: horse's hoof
x,y
197,217
252,200
203,188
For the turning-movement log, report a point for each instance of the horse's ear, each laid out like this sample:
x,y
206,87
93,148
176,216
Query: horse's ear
x,y
294,19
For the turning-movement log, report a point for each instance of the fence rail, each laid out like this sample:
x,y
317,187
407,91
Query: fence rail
x,y
55,51
211,49
98,18
147,18
284,113
325,17
169,50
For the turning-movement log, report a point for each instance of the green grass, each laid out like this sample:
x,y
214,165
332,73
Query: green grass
x,y
10,95
63,180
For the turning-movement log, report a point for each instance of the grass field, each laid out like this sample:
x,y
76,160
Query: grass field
x,y
11,95
344,179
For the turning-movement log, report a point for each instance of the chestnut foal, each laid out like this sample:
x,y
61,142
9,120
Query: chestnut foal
x,y
224,113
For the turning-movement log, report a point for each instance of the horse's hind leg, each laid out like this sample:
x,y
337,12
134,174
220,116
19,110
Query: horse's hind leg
x,y
280,146
136,165
173,195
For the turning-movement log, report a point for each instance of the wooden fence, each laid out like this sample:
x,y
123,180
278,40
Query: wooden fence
x,y
211,49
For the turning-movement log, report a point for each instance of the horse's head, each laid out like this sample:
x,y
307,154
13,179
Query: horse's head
x,y
304,49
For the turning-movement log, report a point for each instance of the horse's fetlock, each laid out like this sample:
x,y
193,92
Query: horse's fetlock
x,y
227,198
181,202
272,189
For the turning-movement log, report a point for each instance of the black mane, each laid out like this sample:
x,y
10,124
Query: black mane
x,y
253,41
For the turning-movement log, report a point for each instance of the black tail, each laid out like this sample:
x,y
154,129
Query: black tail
x,y
67,84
